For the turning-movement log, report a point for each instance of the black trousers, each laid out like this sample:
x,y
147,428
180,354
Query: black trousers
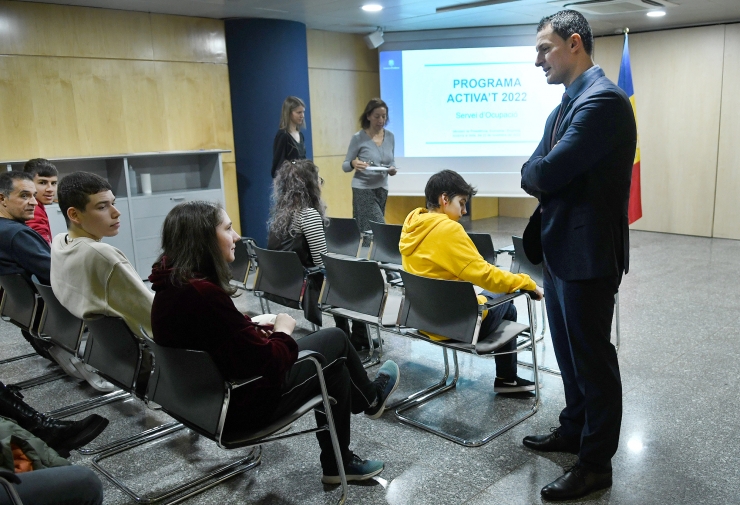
x,y
346,382
580,315
505,363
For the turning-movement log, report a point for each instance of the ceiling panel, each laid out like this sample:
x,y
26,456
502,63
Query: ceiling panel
x,y
405,15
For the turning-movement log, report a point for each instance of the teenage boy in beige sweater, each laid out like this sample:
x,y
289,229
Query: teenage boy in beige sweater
x,y
90,277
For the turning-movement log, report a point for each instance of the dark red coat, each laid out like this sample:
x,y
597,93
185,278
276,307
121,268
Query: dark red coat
x,y
202,316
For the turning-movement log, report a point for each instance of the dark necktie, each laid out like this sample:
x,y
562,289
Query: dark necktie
x,y
561,113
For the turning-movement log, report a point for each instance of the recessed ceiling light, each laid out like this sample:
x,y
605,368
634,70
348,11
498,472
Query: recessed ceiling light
x,y
656,14
372,7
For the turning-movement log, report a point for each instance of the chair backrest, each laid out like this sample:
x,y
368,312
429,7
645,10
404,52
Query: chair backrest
x,y
520,264
20,302
279,273
448,308
384,248
114,351
354,285
484,243
241,264
188,386
57,323
343,236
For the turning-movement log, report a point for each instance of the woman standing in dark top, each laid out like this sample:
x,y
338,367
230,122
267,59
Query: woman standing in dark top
x,y
289,143
193,309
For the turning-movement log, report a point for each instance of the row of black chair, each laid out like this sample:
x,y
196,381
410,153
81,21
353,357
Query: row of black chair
x,y
185,384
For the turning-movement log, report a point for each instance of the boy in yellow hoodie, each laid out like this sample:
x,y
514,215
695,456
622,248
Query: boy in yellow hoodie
x,y
434,244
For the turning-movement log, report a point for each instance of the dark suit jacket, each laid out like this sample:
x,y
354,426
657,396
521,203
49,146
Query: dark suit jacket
x,y
583,183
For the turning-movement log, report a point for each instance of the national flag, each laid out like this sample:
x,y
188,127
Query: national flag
x,y
625,82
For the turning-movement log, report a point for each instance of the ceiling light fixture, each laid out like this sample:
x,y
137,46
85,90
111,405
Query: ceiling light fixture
x,y
656,14
372,8
472,5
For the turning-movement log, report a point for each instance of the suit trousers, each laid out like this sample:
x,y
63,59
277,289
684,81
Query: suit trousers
x,y
580,315
346,381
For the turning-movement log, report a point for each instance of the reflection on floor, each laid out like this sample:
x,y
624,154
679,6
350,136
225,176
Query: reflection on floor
x,y
679,360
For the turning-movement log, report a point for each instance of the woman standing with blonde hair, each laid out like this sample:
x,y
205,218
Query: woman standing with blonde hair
x,y
289,143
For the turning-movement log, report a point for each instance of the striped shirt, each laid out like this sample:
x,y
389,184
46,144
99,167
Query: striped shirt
x,y
309,223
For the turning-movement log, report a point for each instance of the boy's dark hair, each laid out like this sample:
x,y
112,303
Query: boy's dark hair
x,y
446,182
7,178
40,167
75,190
566,23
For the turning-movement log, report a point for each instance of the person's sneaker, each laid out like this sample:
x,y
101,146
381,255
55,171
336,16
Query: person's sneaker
x,y
356,469
515,385
387,380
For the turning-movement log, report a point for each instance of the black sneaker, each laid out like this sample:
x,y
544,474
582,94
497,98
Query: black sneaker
x,y
356,469
387,380
515,385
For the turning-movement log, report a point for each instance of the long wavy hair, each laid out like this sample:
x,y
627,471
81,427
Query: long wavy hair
x,y
289,105
190,247
296,187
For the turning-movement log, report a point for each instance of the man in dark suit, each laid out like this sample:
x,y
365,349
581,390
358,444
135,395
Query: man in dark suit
x,y
581,175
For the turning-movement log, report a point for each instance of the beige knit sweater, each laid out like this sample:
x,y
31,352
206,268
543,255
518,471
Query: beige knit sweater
x,y
90,277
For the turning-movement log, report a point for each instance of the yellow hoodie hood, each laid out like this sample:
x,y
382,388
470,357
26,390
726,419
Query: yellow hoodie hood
x,y
417,226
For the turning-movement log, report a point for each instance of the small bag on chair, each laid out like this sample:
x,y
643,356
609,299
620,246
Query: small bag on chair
x,y
311,292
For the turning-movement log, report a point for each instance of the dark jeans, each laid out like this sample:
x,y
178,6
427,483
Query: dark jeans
x,y
506,363
359,329
64,485
346,382
580,315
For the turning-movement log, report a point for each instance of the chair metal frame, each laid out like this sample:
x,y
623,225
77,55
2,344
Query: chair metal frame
x,y
109,327
423,396
11,311
342,296
160,390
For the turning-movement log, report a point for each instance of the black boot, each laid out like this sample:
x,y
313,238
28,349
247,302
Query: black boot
x,y
62,436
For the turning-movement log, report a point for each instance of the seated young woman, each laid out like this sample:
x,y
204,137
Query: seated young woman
x,y
297,220
193,309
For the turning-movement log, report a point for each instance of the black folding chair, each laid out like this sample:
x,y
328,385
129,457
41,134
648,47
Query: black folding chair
x,y
343,237
451,308
356,289
189,387
244,264
281,278
384,247
20,306
118,355
484,243
66,331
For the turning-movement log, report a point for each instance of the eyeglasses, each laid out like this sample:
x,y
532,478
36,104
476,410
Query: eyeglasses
x,y
321,181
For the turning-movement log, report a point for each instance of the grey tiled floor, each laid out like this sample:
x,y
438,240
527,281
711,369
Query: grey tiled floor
x,y
679,360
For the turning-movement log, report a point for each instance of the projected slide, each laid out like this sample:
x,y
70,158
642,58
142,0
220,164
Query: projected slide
x,y
477,102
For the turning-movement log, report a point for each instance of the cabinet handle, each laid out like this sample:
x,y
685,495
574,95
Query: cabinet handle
x,y
177,198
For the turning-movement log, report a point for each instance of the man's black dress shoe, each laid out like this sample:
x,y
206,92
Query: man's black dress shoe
x,y
576,483
554,442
